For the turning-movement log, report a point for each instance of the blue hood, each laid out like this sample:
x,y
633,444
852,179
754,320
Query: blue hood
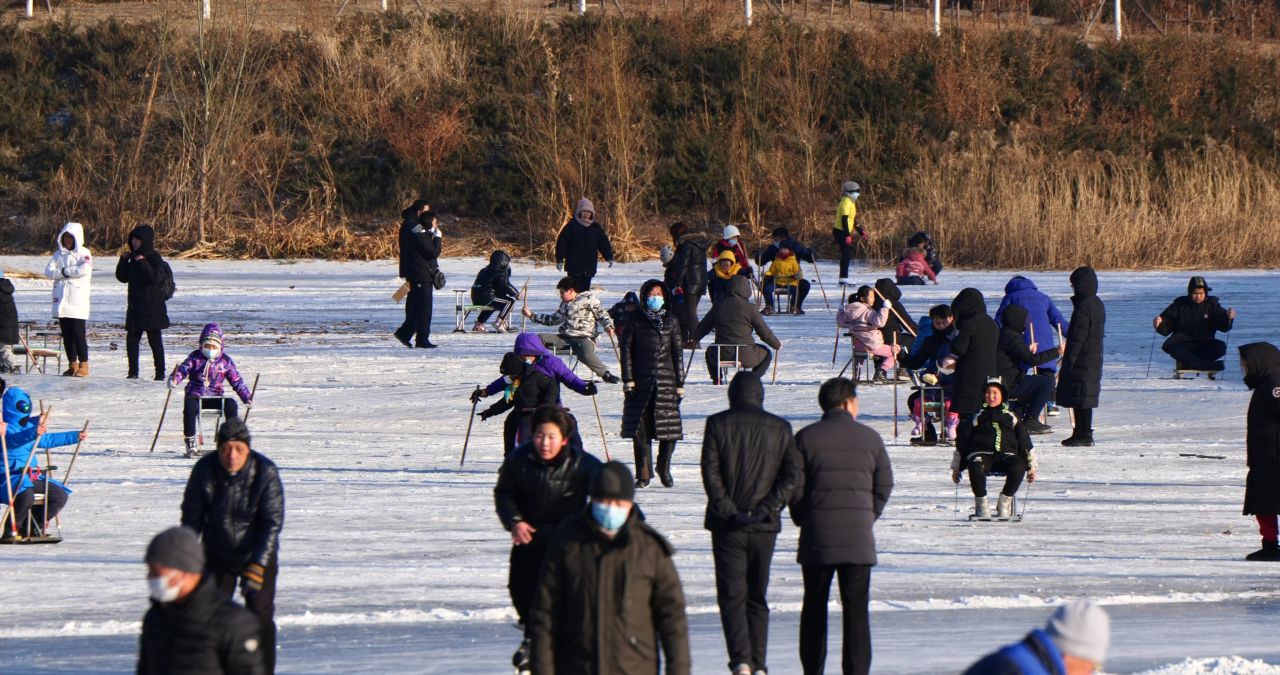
x,y
1020,283
17,409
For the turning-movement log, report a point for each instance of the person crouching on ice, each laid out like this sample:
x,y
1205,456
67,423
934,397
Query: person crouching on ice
x,y
206,369
999,443
21,429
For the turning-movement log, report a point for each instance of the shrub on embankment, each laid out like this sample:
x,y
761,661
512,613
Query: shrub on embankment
x,y
1015,149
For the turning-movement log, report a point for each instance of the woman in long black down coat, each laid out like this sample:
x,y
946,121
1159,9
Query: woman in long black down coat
x,y
1260,363
653,382
1080,372
143,269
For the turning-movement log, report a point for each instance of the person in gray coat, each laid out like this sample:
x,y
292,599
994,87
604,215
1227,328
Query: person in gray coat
x,y
844,483
734,320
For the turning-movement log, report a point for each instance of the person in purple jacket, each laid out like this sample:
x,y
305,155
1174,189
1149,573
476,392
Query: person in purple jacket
x,y
1043,320
206,369
529,345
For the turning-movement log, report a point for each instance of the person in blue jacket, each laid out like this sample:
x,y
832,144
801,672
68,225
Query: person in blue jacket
x,y
20,433
1074,642
1043,320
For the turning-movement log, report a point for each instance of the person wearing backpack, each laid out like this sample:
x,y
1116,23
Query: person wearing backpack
x,y
151,284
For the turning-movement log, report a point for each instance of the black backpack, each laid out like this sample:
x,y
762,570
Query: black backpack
x,y
166,280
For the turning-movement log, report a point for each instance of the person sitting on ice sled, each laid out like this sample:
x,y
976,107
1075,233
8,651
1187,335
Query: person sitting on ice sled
x,y
525,388
207,369
864,324
21,428
931,353
1190,322
999,442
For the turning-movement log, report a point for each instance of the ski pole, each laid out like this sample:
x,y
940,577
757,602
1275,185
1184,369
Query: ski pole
x,y
25,469
252,395
689,365
1151,351
846,367
600,423
8,485
71,465
467,438
822,288
524,294
835,348
1026,500
616,354
895,388
957,506
777,356
163,410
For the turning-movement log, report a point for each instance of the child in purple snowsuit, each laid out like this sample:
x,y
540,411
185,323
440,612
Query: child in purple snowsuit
x,y
205,370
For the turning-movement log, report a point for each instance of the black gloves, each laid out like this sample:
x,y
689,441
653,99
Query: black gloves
x,y
748,518
477,395
590,389
485,415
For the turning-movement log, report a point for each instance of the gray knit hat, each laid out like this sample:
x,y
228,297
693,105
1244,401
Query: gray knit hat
x,y
176,547
1082,629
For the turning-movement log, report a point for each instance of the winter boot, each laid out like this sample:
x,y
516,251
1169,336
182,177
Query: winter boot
x,y
844,281
160,374
192,450
479,328
521,659
742,669
665,450
1270,552
133,375
918,429
1004,506
953,426
83,369
981,507
71,369
1079,439
1036,426
880,377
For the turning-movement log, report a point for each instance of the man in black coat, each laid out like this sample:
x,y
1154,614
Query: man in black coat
x,y
420,246
975,346
493,288
686,277
1013,358
145,271
734,320
749,469
192,628
579,243
1190,322
540,484
235,502
8,326
1080,372
844,483
1260,363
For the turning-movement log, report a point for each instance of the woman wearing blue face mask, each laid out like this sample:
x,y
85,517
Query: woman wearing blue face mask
x,y
653,382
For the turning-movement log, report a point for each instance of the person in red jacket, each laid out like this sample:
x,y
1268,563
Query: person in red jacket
x,y
913,269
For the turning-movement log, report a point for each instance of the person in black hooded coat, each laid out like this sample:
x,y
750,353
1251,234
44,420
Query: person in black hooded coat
x,y
1080,372
735,319
1013,358
8,326
686,277
144,270
1260,363
975,346
527,390
653,382
899,323
1190,322
493,287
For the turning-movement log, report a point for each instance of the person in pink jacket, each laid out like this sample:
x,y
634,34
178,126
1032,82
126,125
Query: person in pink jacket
x,y
913,269
864,324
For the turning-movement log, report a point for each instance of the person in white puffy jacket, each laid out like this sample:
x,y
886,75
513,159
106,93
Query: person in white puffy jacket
x,y
71,269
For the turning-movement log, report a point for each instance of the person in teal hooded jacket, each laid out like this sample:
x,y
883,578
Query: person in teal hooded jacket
x,y
21,431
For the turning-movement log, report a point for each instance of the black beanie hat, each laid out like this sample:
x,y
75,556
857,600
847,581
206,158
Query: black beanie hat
x,y
1197,282
176,547
781,232
1004,391
614,481
512,365
233,429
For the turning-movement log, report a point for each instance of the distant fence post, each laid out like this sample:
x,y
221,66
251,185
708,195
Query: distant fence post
x,y
937,18
31,8
582,7
747,10
205,9
1119,19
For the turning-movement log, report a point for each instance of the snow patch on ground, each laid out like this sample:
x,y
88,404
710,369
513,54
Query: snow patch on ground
x,y
1226,665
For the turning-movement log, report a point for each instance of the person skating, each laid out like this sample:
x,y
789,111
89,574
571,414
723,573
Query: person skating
x,y
1190,323
578,626
1044,321
974,347
847,231
1074,642
999,442
686,277
845,480
192,627
71,269
653,384
206,370
1080,381
528,345
493,288
421,243
864,324
734,319
142,268
8,326
235,502
1260,363
542,482
724,270
731,241
526,389
913,269
784,274
749,469
22,426
580,244
576,319
1013,358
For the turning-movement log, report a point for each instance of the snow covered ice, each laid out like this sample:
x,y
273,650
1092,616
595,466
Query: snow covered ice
x,y
393,561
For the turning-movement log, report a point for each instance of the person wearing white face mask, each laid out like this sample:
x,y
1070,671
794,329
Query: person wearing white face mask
x,y
731,240
192,627
846,230
205,370
652,363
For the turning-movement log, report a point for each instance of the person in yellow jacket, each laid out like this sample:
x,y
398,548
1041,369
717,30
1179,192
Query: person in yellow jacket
x,y
846,230
784,273
724,269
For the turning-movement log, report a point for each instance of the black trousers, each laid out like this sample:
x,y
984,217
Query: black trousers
x,y
911,280
1033,393
517,428
73,339
582,279
522,577
1084,421
1197,355
262,603
846,252
23,510
687,314
155,340
747,355
1012,466
416,328
855,587
642,446
501,304
798,292
191,411
742,582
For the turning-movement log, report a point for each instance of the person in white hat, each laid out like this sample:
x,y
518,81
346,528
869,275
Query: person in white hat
x,y
846,231
731,240
1074,642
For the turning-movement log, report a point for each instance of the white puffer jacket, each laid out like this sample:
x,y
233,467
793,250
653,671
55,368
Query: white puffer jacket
x,y
71,271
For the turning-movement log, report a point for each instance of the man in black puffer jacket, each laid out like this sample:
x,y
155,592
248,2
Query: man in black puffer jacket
x,y
844,483
1013,358
540,484
493,287
975,346
735,319
749,468
686,277
420,247
1190,322
1080,372
235,502
192,628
